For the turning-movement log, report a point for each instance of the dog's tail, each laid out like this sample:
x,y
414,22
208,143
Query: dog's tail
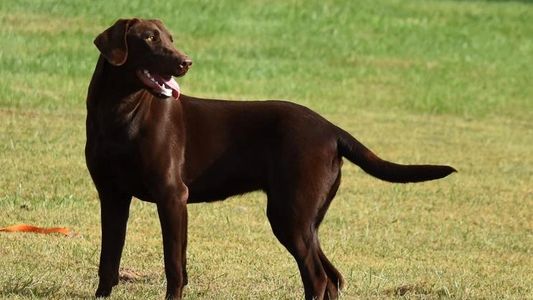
x,y
360,155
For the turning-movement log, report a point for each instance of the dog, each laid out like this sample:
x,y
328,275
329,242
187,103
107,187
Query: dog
x,y
147,140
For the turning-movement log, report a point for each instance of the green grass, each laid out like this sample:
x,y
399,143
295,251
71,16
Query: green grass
x,y
417,81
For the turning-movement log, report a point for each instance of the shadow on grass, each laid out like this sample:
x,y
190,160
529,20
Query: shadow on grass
x,y
40,292
31,288
418,289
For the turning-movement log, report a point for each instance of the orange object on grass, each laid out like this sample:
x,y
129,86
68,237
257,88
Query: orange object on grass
x,y
35,229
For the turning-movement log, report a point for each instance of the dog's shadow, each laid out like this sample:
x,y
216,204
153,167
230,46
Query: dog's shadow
x,y
41,292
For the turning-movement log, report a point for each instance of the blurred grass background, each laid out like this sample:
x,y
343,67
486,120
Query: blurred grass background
x,y
417,81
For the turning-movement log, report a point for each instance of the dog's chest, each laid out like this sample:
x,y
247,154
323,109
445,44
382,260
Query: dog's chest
x,y
110,156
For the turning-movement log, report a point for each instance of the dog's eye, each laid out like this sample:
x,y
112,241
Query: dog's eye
x,y
152,37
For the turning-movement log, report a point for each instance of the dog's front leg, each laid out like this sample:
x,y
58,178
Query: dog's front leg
x,y
172,210
114,209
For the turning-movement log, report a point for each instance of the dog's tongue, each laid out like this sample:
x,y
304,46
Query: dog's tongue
x,y
171,84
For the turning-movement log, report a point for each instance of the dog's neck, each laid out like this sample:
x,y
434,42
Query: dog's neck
x,y
126,100
117,81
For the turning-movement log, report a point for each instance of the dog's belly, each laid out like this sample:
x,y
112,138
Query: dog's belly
x,y
216,192
226,177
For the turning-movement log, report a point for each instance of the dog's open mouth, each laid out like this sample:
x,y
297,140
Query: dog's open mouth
x,y
161,85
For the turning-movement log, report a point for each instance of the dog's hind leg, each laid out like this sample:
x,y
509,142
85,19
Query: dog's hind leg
x,y
297,202
335,280
300,239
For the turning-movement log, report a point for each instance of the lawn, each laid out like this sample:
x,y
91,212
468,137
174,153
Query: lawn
x,y
446,82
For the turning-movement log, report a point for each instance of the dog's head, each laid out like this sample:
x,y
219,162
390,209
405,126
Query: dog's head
x,y
145,47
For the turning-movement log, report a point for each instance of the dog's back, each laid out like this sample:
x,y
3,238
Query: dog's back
x,y
234,147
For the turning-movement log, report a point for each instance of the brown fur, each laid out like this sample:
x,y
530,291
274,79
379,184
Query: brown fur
x,y
173,152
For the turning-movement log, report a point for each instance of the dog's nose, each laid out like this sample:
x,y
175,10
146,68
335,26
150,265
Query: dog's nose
x,y
186,63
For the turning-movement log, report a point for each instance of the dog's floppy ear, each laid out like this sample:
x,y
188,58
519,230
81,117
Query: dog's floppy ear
x,y
112,42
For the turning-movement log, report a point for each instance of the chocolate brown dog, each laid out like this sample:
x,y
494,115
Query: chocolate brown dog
x,y
145,139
